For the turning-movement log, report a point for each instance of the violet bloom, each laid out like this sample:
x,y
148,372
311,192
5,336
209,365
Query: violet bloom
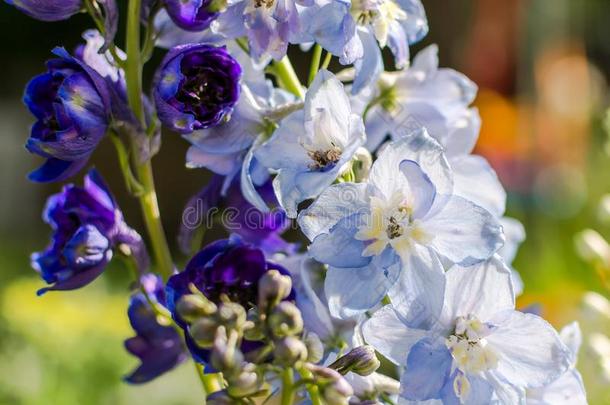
x,y
72,105
261,229
87,225
229,267
196,87
48,10
192,15
159,347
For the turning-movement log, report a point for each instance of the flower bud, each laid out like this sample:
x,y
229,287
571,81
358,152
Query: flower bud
x,y
226,357
290,350
315,348
255,332
203,331
272,288
592,247
334,388
246,383
285,320
361,360
232,316
191,307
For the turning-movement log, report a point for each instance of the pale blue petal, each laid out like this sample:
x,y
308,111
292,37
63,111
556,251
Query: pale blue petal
x,y
339,248
370,66
428,368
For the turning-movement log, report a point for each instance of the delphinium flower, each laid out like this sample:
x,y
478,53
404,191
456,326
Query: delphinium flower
x,y
226,267
396,229
196,86
438,99
193,15
71,103
87,225
261,229
471,346
356,30
514,233
48,10
312,145
159,347
568,389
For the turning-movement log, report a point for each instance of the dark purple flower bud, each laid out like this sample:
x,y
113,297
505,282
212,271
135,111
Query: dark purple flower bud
x,y
196,87
87,225
229,267
48,10
193,15
159,347
71,103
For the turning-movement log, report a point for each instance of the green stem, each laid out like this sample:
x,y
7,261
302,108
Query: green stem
x,y
315,63
327,59
312,389
287,387
148,198
288,77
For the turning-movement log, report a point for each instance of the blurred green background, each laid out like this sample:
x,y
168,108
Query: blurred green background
x,y
542,67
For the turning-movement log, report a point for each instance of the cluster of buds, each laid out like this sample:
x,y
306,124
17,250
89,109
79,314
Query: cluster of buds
x,y
250,348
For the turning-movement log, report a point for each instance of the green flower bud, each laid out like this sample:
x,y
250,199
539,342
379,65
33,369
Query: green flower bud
x,y
361,360
289,351
246,383
203,331
334,388
232,316
315,348
226,356
285,320
191,307
272,288
255,332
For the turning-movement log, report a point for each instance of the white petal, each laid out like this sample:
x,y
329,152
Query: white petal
x,y
388,334
463,232
482,290
515,234
530,351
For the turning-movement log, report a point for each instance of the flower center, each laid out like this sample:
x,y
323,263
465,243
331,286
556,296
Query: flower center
x,y
469,347
324,159
263,3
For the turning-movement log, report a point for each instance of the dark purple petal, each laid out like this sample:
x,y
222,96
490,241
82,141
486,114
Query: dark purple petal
x,y
56,170
192,15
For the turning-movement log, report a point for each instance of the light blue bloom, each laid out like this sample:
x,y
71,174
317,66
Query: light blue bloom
x,y
439,100
404,217
515,235
568,389
475,348
311,146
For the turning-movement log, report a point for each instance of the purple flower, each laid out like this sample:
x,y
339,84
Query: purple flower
x,y
158,347
227,266
192,15
196,87
48,10
71,103
260,229
87,225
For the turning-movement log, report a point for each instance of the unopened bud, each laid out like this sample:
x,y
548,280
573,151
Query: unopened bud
x,y
246,383
290,350
203,331
255,332
361,360
285,320
191,307
315,348
232,316
226,356
272,288
592,247
334,388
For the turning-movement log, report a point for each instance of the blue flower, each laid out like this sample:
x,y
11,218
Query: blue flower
x,y
468,344
159,347
391,234
71,103
225,267
87,225
196,86
311,146
48,10
192,15
438,99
